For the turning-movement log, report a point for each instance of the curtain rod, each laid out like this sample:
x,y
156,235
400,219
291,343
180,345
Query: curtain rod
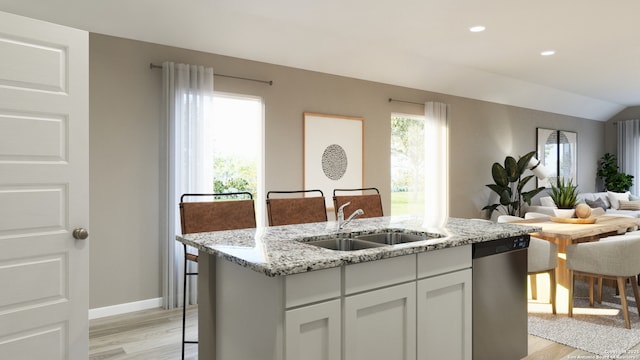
x,y
270,82
405,101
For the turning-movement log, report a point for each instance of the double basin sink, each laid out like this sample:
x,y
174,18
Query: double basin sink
x,y
352,242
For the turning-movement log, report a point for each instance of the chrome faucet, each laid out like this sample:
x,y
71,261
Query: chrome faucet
x,y
341,221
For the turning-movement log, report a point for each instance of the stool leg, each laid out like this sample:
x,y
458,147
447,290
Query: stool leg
x,y
184,301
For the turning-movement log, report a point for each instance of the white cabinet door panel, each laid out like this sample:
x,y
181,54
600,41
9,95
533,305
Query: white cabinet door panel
x,y
381,324
313,332
444,317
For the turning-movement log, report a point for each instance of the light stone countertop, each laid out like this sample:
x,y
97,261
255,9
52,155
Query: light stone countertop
x,y
280,250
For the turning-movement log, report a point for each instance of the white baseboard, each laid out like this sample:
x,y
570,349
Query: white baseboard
x,y
125,308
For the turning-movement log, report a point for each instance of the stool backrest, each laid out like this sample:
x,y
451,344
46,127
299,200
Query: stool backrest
x,y
296,210
371,204
216,215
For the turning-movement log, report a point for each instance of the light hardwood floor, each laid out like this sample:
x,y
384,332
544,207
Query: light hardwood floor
x,y
150,334
156,334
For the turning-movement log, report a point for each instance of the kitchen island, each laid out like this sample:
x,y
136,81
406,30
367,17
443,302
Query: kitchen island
x,y
267,293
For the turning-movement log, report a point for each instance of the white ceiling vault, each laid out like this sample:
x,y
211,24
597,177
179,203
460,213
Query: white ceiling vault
x,y
422,44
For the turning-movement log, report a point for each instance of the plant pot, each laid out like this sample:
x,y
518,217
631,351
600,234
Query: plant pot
x,y
564,213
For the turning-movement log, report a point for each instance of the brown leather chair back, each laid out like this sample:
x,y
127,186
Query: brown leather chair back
x,y
298,210
217,215
371,204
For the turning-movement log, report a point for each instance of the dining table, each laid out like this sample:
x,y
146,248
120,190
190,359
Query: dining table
x,y
564,232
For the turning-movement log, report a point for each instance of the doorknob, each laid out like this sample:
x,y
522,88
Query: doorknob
x,y
80,233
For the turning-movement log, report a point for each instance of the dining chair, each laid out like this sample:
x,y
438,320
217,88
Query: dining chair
x,y
224,211
295,207
367,199
542,257
536,215
611,259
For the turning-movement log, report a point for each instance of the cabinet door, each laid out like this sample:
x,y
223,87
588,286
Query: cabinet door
x,y
444,316
381,324
313,332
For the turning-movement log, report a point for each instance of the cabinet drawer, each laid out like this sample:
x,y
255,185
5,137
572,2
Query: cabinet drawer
x,y
380,273
442,261
312,286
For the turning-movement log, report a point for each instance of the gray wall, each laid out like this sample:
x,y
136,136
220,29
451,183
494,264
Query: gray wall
x,y
611,135
125,140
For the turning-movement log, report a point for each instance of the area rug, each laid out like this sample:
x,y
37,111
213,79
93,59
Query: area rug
x,y
599,330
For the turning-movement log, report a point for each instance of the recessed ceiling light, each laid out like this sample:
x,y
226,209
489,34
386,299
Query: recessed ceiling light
x,y
548,52
478,28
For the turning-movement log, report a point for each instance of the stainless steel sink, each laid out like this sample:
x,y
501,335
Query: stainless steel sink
x,y
344,244
392,238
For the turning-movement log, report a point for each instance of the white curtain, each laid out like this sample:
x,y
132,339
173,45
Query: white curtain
x,y
629,150
188,99
436,165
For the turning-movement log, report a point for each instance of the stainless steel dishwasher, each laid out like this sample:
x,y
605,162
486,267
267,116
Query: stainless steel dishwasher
x,y
499,291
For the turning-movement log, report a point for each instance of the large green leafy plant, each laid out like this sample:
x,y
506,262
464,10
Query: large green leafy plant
x,y
613,179
510,184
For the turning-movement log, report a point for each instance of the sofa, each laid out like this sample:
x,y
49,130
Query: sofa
x,y
620,204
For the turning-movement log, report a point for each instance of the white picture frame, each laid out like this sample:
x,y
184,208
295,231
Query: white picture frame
x,y
333,153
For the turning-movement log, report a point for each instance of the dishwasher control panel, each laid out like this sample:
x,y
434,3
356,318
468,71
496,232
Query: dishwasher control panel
x,y
498,246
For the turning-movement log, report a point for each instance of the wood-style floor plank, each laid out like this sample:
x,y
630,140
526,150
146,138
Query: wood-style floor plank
x,y
156,334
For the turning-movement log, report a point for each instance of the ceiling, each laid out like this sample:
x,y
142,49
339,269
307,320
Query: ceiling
x,y
422,44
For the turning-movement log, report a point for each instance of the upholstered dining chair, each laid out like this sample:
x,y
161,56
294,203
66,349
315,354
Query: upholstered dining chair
x,y
536,215
611,259
226,211
295,207
367,199
542,257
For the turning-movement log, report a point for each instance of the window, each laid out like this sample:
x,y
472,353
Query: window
x,y
238,146
407,164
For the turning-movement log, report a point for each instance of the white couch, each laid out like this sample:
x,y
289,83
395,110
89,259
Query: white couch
x,y
621,204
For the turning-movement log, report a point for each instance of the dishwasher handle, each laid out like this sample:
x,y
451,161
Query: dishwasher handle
x,y
498,246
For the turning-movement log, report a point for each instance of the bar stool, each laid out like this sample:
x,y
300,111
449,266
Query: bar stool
x,y
203,216
371,204
288,210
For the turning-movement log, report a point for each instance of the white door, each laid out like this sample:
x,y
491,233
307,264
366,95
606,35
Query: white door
x,y
44,189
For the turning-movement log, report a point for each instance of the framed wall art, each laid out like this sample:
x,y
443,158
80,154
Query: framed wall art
x,y
333,153
558,152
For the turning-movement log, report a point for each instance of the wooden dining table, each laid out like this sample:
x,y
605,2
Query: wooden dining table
x,y
565,233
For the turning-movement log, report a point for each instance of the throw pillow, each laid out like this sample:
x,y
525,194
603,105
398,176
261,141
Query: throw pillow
x,y
615,198
597,203
547,201
633,197
629,205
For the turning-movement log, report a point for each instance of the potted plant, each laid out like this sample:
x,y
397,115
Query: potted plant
x,y
565,195
613,179
510,184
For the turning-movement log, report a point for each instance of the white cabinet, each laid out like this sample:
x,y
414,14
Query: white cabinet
x,y
314,332
409,307
444,316
444,304
381,324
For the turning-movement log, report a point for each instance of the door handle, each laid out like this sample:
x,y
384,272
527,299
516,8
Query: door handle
x,y
80,233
